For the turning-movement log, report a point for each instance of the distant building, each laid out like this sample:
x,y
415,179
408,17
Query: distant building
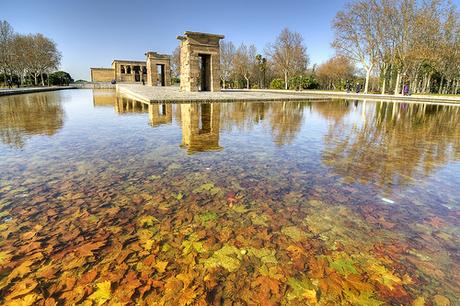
x,y
122,71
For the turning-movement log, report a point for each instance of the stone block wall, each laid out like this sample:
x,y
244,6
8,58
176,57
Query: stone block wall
x,y
154,59
102,74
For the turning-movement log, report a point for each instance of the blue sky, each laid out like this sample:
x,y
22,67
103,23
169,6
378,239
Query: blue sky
x,y
93,33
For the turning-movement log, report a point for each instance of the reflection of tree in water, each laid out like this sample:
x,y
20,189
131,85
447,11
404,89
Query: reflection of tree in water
x,y
286,120
394,142
332,110
22,116
241,115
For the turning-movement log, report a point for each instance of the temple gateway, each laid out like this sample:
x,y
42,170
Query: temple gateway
x,y
158,69
200,61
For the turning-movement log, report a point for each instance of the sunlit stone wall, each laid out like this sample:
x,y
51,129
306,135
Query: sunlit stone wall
x,y
192,45
154,59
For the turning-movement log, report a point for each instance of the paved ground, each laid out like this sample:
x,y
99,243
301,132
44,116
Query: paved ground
x,y
24,90
149,94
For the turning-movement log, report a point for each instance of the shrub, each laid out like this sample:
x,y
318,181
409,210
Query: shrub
x,y
277,84
303,82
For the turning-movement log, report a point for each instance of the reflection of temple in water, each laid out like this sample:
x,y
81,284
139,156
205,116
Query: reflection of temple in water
x,y
160,114
125,105
104,97
200,127
25,115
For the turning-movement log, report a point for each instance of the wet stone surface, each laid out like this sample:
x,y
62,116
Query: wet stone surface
x,y
104,200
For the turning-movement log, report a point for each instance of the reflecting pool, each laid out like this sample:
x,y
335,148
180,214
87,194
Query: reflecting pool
x,y
105,200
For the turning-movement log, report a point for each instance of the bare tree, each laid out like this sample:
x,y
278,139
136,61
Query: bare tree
x,y
227,56
45,57
20,59
356,35
6,38
288,54
335,72
244,62
175,62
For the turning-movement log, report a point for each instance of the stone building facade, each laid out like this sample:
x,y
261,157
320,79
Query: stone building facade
x,y
102,75
158,69
200,61
122,71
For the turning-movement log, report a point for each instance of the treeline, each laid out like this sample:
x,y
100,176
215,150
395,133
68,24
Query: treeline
x,y
29,59
402,42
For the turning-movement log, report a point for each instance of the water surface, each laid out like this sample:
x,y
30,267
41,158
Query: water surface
x,y
106,200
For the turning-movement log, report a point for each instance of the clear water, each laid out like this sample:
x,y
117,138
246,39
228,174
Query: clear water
x,y
106,200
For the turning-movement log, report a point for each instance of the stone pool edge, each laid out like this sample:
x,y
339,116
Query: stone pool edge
x,y
149,94
20,91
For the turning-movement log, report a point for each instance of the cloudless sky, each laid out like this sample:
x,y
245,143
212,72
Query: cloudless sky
x,y
91,33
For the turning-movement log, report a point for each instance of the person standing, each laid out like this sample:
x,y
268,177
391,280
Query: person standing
x,y
348,86
358,88
406,89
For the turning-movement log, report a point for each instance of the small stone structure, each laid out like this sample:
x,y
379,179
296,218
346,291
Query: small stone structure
x,y
200,61
122,71
158,69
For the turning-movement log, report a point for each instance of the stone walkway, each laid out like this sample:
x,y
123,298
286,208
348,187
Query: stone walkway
x,y
172,94
25,90
153,94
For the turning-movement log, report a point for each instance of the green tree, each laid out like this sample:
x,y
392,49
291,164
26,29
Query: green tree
x,y
60,78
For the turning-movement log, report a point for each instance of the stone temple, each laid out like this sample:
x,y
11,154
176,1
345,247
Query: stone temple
x,y
200,61
124,71
156,71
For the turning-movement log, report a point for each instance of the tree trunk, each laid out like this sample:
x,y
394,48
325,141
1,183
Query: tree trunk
x,y
414,84
384,83
428,84
390,82
286,80
35,79
457,86
441,85
368,76
398,83
247,82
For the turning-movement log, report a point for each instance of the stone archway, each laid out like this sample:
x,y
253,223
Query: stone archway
x,y
200,61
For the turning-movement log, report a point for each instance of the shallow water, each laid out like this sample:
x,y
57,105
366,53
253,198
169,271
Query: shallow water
x,y
105,200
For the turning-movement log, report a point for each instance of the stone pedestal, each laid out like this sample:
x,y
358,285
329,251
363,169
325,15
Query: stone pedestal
x,y
194,48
